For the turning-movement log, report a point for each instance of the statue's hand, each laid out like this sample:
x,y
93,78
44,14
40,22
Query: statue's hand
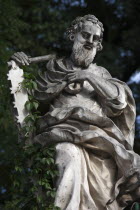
x,y
77,76
20,58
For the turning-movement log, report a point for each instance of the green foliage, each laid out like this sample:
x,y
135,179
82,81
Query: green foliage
x,y
31,105
34,174
35,170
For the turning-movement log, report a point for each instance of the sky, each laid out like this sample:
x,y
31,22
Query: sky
x,y
135,78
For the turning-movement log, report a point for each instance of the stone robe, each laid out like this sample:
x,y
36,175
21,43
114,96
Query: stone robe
x,y
94,137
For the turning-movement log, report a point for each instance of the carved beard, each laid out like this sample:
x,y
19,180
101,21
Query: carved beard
x,y
82,56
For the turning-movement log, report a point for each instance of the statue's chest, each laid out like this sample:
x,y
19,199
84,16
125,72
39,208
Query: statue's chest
x,y
85,98
87,89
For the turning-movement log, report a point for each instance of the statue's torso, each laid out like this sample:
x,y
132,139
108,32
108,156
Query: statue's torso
x,y
73,95
86,98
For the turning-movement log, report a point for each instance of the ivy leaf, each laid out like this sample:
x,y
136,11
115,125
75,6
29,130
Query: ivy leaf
x,y
48,152
17,168
34,85
30,97
53,194
44,160
48,193
40,182
28,106
35,104
47,186
48,161
28,75
56,208
39,198
52,160
16,183
27,134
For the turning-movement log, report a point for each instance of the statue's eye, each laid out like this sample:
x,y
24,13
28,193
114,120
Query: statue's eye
x,y
96,38
85,35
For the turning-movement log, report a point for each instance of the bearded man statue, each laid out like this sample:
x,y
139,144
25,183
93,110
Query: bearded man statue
x,y
91,117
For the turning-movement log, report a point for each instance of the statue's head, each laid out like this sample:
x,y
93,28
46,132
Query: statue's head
x,y
86,33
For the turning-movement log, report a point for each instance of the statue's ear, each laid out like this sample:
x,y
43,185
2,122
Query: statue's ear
x,y
99,46
72,37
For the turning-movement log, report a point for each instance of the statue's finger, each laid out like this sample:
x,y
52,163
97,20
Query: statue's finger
x,y
72,78
15,59
71,74
71,81
16,54
20,57
71,71
24,55
66,77
25,58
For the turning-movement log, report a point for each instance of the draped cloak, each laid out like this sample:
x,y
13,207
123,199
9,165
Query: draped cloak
x,y
94,136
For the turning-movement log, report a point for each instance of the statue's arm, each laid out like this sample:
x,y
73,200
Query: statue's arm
x,y
22,59
46,91
111,92
103,86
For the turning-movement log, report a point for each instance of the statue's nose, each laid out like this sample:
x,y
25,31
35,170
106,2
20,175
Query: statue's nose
x,y
90,40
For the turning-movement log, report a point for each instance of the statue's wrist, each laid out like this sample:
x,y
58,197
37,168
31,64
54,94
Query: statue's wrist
x,y
88,76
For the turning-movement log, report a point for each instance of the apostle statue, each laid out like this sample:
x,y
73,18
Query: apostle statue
x,y
90,116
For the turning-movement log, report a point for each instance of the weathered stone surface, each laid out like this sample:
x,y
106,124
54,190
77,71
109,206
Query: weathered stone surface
x,y
91,119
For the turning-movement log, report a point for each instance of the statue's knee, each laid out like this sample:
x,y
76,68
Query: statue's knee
x,y
67,153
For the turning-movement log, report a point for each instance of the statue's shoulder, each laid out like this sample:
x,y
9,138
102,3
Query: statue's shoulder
x,y
51,63
101,71
56,64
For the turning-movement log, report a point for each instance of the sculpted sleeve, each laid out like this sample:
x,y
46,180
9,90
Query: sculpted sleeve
x,y
49,83
115,106
121,109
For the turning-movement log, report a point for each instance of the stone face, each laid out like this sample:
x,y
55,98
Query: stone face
x,y
91,119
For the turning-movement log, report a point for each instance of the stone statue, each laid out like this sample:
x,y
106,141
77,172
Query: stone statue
x,y
90,116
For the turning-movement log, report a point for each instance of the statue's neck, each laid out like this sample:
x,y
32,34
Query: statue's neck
x,y
71,64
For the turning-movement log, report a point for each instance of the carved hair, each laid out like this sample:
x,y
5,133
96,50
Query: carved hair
x,y
76,26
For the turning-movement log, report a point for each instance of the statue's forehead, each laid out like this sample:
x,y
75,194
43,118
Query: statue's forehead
x,y
89,27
